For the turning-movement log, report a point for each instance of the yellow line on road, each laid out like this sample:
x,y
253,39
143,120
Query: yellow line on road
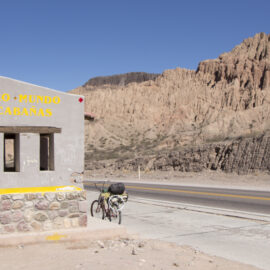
x,y
199,193
202,193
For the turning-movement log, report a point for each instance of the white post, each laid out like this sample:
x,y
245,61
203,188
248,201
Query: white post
x,y
139,172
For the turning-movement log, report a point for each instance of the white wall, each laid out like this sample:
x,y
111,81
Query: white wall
x,y
68,115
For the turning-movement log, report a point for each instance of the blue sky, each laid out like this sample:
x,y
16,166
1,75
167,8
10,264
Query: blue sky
x,y
61,44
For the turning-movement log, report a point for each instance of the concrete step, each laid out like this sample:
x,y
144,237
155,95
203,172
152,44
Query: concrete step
x,y
97,229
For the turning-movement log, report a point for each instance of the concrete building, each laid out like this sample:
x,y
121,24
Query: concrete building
x,y
41,135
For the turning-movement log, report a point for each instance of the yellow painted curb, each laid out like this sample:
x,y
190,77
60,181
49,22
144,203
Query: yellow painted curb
x,y
55,237
39,189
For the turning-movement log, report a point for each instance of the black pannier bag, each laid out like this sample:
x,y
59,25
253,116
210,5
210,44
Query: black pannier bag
x,y
117,188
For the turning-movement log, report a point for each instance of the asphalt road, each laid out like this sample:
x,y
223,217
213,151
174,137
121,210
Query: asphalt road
x,y
235,199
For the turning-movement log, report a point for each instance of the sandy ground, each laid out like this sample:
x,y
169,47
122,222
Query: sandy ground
x,y
256,181
112,254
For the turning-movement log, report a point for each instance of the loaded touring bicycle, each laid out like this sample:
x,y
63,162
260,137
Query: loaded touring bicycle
x,y
110,202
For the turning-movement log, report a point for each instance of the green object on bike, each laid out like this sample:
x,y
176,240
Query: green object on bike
x,y
105,195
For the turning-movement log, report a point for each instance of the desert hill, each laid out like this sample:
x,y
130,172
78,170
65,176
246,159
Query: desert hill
x,y
217,117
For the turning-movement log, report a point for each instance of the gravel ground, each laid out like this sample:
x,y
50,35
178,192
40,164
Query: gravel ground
x,y
112,254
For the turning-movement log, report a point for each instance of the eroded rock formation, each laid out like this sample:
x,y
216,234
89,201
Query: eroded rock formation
x,y
186,112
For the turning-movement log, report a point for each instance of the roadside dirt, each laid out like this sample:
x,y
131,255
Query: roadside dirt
x,y
112,254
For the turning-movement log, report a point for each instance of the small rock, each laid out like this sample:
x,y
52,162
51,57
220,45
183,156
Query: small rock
x,y
134,252
101,244
74,215
47,225
64,205
5,205
54,206
52,214
60,196
72,195
50,196
40,217
83,221
9,228
28,214
75,222
5,196
16,216
176,264
42,205
5,218
40,196
58,223
36,225
67,223
125,242
23,227
17,204
30,196
28,204
62,213
19,196
73,206
83,195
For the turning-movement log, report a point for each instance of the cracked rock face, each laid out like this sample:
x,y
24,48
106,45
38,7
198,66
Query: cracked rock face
x,y
241,156
248,62
181,110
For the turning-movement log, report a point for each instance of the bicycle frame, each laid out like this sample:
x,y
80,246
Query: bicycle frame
x,y
111,205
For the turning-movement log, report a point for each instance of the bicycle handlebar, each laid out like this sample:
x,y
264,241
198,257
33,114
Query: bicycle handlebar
x,y
102,188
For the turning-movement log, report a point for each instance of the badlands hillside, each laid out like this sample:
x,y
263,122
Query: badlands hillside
x,y
215,118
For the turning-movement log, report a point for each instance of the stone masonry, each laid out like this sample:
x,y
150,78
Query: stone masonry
x,y
28,212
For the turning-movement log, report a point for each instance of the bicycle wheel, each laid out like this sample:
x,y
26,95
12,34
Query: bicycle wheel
x,y
97,210
115,215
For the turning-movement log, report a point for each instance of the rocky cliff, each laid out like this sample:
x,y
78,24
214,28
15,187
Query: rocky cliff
x,y
178,120
121,79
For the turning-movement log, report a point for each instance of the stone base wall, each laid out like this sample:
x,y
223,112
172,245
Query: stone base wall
x,y
28,212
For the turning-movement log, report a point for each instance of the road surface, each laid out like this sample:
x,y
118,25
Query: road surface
x,y
224,198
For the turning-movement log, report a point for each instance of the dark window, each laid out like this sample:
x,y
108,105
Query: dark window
x,y
46,152
11,152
